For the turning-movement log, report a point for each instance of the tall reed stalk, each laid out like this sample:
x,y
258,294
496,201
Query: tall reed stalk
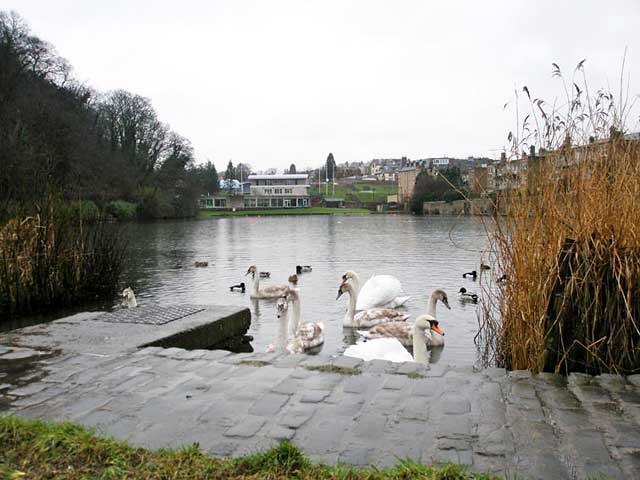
x,y
568,241
52,259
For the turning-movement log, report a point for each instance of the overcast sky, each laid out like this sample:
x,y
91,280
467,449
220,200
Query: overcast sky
x,y
274,82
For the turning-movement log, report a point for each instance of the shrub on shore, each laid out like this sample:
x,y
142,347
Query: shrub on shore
x,y
122,210
53,259
569,245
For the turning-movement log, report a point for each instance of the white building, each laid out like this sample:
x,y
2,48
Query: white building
x,y
263,191
278,191
440,162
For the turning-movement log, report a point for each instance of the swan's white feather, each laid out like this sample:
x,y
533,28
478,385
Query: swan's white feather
x,y
398,302
382,349
378,291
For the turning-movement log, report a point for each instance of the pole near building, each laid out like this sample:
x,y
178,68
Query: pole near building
x,y
333,180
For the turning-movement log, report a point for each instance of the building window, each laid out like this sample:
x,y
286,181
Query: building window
x,y
220,202
249,202
277,191
263,202
288,190
209,202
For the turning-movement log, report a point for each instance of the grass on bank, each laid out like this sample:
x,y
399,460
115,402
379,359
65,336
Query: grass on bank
x,y
569,244
39,450
284,211
365,192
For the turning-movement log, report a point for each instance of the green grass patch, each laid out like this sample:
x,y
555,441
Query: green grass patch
x,y
284,211
334,369
415,375
254,363
361,191
40,450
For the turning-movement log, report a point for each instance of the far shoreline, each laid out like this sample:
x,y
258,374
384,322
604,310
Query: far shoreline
x,y
283,212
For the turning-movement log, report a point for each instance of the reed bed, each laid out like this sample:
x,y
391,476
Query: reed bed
x,y
53,259
568,241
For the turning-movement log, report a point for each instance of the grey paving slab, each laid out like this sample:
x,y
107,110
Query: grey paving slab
x,y
247,427
511,423
314,396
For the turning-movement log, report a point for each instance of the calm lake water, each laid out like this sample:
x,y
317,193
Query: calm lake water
x,y
424,253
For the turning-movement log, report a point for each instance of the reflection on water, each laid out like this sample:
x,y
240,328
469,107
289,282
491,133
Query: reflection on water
x,y
424,253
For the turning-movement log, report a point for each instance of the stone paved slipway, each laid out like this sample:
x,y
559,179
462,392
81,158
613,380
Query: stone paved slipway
x,y
516,424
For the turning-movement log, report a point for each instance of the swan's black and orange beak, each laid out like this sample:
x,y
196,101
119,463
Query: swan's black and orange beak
x,y
437,329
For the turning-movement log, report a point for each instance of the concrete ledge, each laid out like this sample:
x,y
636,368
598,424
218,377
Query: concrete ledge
x,y
232,325
86,333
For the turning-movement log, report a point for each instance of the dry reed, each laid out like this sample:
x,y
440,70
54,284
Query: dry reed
x,y
568,241
52,259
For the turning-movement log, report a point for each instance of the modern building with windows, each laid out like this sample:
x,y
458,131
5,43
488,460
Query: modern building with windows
x,y
278,191
264,191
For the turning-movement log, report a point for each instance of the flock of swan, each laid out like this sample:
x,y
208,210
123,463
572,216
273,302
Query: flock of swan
x,y
372,311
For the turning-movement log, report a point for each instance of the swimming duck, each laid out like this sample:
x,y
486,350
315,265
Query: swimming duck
x,y
303,268
473,274
239,287
484,266
200,264
466,296
265,274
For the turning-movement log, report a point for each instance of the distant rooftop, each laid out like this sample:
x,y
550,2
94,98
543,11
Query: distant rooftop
x,y
286,176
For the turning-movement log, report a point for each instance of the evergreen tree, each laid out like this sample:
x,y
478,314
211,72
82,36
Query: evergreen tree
x,y
292,168
207,178
330,167
230,173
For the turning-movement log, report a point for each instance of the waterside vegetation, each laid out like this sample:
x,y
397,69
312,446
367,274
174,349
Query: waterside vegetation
x,y
38,450
569,243
53,259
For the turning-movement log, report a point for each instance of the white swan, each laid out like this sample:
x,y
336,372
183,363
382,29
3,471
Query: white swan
x,y
128,298
378,291
366,318
403,332
271,291
392,350
306,335
280,345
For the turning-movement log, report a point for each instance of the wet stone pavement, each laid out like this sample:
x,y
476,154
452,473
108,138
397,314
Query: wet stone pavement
x,y
513,424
